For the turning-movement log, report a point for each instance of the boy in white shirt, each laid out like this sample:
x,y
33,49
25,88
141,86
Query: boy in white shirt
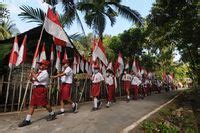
x,y
110,82
39,93
126,78
96,78
65,89
135,85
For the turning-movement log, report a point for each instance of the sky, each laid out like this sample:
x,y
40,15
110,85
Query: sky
x,y
142,6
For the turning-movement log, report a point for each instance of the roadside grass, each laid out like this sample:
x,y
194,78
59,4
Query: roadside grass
x,y
180,116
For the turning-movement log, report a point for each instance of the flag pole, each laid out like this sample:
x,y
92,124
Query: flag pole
x,y
20,88
27,85
50,87
8,88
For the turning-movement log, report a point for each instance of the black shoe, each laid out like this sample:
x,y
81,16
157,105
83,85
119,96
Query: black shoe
x,y
51,117
94,109
128,100
24,123
99,105
75,108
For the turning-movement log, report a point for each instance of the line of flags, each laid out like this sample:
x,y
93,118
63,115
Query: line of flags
x,y
80,64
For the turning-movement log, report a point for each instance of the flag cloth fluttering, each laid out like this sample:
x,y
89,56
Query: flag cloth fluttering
x,y
52,55
134,67
43,53
14,53
58,59
99,52
22,52
53,27
35,59
82,64
119,65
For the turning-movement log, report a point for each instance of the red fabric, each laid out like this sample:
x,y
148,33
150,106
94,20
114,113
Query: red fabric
x,y
111,89
135,90
14,54
65,91
55,18
39,97
95,90
126,85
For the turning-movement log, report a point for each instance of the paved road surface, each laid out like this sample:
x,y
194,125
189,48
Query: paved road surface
x,y
106,120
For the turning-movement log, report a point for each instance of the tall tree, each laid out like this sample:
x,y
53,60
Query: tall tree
x,y
177,23
96,12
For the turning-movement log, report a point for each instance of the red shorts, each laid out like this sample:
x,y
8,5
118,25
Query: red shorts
x,y
39,96
65,91
126,85
95,90
111,89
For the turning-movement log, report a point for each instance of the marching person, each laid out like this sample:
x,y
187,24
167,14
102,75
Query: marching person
x,y
39,93
126,78
66,84
135,85
110,82
96,79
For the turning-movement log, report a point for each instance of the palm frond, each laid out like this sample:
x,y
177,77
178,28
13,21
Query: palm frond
x,y
111,14
75,36
128,13
80,23
85,7
30,14
99,24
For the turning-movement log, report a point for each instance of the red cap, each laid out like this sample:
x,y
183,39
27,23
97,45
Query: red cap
x,y
64,61
96,66
44,62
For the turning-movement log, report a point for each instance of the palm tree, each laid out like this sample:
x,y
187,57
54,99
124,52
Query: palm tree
x,y
5,24
97,11
37,15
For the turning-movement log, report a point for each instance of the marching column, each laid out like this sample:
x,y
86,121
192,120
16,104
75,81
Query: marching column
x,y
96,78
39,94
126,78
110,86
66,84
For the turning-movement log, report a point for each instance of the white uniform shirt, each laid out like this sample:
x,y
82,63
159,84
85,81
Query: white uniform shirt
x,y
126,77
109,80
96,78
146,81
136,81
42,77
68,77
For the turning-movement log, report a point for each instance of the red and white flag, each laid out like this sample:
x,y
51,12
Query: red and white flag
x,y
65,55
35,59
82,64
74,64
14,53
78,64
99,52
134,67
110,66
52,55
43,53
53,26
127,65
119,64
22,52
87,67
58,65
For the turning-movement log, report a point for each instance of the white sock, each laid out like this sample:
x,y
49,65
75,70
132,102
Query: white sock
x,y
128,97
62,110
51,113
73,104
95,102
28,117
